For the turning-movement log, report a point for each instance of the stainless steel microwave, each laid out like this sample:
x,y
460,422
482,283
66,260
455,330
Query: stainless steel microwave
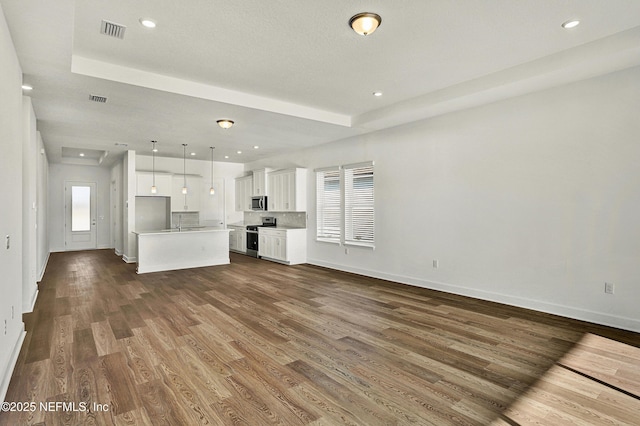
x,y
259,203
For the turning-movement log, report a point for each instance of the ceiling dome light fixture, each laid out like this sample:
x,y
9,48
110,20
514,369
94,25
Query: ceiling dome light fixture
x,y
365,23
570,24
27,87
225,123
147,23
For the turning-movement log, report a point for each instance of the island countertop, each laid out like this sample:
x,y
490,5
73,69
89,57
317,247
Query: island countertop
x,y
186,229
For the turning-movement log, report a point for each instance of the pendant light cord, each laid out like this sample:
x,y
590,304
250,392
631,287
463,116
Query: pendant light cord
x,y
184,163
153,162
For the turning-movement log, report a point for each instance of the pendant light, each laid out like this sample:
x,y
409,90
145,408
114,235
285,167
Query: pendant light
x,y
153,167
211,190
184,167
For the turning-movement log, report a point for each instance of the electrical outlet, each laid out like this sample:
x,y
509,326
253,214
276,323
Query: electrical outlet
x,y
5,327
346,250
435,264
608,288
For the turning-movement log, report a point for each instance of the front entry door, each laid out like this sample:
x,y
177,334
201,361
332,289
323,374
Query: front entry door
x,y
80,215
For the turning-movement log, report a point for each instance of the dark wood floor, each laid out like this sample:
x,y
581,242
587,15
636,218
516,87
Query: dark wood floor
x,y
257,343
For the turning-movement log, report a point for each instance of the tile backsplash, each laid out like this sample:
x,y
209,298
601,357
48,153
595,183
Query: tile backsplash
x,y
295,219
188,219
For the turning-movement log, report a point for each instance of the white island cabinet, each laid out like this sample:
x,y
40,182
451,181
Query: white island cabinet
x,y
172,249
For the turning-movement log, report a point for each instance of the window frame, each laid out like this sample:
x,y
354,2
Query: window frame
x,y
323,203
362,199
363,223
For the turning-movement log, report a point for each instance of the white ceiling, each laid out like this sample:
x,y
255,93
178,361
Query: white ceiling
x,y
293,74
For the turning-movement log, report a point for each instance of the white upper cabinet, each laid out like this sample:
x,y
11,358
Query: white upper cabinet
x,y
144,182
189,202
244,191
260,182
287,190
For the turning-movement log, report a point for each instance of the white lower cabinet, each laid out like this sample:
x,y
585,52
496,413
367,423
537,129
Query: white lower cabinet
x,y
238,239
283,245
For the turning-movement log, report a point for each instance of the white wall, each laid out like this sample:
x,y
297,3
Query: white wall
x,y
532,201
61,173
11,137
129,243
116,208
29,206
42,205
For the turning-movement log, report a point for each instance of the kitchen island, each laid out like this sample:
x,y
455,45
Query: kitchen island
x,y
173,249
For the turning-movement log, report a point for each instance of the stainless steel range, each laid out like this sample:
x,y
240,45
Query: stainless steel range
x,y
252,235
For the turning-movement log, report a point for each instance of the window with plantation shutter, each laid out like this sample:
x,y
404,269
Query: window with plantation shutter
x,y
359,204
328,212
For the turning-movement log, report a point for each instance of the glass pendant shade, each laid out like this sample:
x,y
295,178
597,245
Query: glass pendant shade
x,y
154,190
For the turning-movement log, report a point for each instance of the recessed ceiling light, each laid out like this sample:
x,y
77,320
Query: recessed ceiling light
x,y
226,156
571,24
82,154
147,23
193,153
239,152
256,147
155,150
27,87
377,94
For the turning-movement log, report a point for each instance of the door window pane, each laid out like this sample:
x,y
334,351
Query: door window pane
x,y
80,208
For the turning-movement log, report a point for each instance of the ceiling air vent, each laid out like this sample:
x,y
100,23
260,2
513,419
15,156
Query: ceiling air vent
x,y
112,29
96,98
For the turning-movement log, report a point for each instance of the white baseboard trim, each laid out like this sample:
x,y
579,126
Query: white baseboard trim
x,y
129,259
33,301
8,370
43,267
118,252
624,323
